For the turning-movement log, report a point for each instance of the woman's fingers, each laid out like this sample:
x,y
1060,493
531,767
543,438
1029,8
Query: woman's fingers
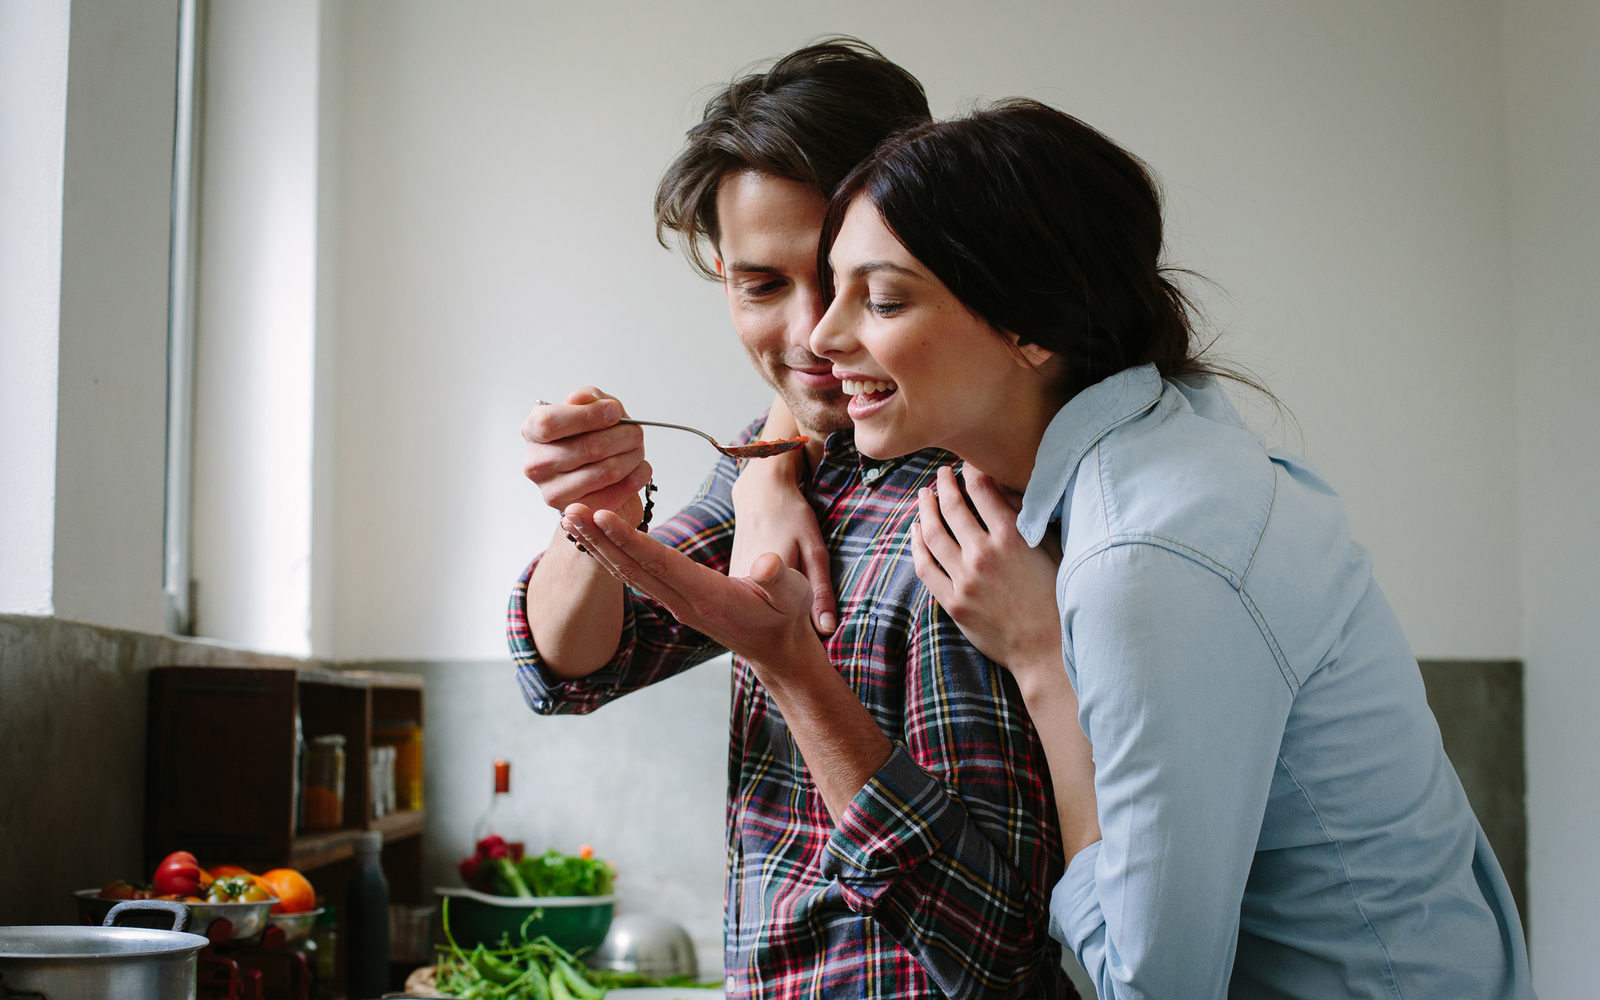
x,y
934,536
991,503
957,515
929,571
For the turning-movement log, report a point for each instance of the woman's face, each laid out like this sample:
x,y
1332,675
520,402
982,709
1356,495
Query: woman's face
x,y
920,370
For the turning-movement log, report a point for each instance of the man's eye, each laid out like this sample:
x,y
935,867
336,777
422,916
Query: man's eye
x,y
885,307
765,288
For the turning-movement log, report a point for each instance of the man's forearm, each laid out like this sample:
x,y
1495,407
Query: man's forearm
x,y
842,744
575,611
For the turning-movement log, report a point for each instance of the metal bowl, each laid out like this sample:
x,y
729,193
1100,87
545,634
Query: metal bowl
x,y
248,920
295,926
649,945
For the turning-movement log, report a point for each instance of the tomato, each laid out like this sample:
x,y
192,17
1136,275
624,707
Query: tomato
x,y
237,889
223,871
294,893
118,889
180,874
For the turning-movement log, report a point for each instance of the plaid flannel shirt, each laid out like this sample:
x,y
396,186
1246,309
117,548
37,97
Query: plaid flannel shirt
x,y
936,881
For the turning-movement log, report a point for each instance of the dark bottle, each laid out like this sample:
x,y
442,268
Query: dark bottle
x,y
367,922
324,959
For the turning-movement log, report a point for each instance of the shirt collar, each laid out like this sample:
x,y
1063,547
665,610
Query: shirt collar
x,y
840,447
1087,417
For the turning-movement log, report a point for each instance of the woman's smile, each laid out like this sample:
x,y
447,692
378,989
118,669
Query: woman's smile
x,y
867,396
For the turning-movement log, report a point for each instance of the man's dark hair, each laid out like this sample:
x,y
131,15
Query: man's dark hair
x,y
811,117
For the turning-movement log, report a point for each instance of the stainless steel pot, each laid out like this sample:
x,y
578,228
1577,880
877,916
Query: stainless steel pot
x,y
89,963
649,945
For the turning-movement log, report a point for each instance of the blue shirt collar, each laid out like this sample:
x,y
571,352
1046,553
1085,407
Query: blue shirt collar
x,y
1087,417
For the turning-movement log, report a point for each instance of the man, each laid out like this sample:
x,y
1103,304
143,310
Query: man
x,y
890,825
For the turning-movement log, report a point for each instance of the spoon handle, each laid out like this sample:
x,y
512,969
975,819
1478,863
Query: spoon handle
x,y
677,427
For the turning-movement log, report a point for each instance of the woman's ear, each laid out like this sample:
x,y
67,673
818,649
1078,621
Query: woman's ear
x,y
1029,355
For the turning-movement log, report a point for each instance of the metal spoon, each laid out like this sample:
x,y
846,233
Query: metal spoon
x,y
755,449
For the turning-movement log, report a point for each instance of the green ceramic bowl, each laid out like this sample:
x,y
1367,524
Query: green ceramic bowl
x,y
576,923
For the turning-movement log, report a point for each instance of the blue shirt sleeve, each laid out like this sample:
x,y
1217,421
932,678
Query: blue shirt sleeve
x,y
1185,707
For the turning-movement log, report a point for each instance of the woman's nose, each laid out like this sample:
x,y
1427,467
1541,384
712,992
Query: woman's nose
x,y
831,337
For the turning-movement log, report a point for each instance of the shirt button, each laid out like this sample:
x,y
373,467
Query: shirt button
x,y
729,984
872,474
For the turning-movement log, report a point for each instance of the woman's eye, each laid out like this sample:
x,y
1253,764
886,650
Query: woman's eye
x,y
885,307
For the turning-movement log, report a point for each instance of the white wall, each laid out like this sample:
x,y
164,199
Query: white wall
x,y
1553,91
33,109
83,305
256,325
1338,169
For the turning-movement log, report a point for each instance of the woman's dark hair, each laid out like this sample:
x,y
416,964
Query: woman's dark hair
x,y
1043,228
811,117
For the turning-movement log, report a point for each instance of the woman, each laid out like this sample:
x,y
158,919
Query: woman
x,y
1276,815
1268,810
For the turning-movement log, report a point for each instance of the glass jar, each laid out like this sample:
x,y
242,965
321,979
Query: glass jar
x,y
323,799
406,738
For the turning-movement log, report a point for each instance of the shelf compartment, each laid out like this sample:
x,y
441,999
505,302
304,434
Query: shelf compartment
x,y
311,851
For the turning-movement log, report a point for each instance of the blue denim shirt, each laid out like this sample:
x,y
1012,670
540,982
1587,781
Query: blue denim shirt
x,y
1277,813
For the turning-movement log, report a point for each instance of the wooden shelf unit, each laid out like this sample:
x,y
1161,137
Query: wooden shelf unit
x,y
219,772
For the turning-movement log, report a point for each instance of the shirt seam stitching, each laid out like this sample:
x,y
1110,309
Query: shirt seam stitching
x,y
1394,982
1271,503
1278,654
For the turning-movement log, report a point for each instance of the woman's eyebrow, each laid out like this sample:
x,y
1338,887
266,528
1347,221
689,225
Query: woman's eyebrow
x,y
862,270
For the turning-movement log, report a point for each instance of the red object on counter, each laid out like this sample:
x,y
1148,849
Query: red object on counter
x,y
179,874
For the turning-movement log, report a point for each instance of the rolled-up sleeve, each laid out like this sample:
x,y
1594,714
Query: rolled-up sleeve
x,y
1185,705
951,846
898,820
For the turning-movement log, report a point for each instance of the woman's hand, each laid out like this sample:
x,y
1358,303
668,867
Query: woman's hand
x,y
772,515
998,590
1002,594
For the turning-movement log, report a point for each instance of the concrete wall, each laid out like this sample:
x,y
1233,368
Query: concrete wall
x,y
1553,90
72,721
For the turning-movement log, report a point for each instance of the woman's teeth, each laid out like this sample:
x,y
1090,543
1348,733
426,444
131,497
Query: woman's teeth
x,y
854,387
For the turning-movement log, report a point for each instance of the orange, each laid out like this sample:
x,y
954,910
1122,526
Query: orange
x,y
294,892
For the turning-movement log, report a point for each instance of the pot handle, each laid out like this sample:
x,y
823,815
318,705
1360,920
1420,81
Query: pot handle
x,y
179,912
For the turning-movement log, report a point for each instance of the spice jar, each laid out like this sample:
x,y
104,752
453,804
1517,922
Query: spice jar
x,y
323,801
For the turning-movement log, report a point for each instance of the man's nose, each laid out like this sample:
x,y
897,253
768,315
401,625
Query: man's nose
x,y
809,309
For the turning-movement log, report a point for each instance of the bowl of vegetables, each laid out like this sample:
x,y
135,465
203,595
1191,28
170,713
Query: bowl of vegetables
x,y
509,897
226,903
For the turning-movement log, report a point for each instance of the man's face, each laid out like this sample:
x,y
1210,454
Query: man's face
x,y
767,256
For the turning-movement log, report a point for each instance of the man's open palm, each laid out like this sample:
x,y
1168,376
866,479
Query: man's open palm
x,y
764,617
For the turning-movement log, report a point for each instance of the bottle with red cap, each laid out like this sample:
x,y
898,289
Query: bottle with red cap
x,y
500,819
